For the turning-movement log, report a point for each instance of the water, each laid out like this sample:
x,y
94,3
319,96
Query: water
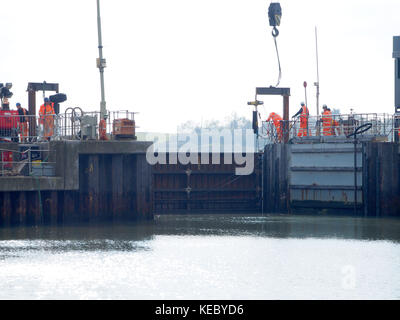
x,y
205,257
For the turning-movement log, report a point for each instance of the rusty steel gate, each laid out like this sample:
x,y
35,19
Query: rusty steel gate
x,y
212,188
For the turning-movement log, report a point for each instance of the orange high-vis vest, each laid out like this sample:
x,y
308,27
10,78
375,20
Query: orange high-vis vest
x,y
327,123
303,122
46,109
103,130
276,119
304,113
47,114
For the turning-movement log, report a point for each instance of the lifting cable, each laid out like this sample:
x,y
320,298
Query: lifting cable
x,y
275,15
277,54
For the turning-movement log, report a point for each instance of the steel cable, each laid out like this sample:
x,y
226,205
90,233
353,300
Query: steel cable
x,y
279,62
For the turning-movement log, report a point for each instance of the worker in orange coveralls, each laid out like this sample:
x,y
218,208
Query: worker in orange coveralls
x,y
304,114
47,115
277,120
327,121
103,129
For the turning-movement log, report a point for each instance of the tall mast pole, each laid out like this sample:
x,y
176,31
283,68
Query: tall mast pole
x,y
317,83
101,64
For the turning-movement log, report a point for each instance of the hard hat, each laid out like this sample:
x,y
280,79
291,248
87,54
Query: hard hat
x,y
18,104
46,99
325,106
303,104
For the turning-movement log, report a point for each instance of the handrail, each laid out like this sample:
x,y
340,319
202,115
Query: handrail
x,y
342,125
64,126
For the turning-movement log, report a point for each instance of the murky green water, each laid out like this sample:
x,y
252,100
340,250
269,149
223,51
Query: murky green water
x,y
205,257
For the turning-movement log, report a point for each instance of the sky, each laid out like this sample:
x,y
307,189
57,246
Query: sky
x,y
190,60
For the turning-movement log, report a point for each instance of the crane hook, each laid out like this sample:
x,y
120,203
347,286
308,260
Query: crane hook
x,y
275,32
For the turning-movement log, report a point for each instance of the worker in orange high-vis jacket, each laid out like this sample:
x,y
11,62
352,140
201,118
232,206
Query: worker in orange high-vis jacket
x,y
277,120
103,129
304,114
327,122
23,123
46,118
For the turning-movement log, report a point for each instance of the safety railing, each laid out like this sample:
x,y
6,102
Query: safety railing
x,y
27,161
73,124
383,126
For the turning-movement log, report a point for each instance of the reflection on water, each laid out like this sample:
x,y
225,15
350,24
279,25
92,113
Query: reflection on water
x,y
205,257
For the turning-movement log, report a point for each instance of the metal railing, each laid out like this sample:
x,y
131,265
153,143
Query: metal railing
x,y
383,126
73,124
28,161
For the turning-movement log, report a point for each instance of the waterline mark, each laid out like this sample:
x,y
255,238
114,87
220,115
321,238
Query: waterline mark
x,y
236,147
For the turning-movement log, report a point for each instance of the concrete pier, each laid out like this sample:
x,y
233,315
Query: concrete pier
x,y
112,180
94,181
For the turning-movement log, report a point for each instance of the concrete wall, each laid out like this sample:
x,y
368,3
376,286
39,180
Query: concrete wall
x,y
308,178
94,181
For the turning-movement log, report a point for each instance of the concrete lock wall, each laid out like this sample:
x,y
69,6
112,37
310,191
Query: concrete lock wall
x,y
320,178
113,180
95,181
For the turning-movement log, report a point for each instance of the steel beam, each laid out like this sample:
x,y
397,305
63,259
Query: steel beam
x,y
272,91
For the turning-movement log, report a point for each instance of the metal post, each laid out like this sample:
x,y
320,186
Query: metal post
x,y
30,161
396,56
305,93
32,111
101,64
286,118
262,181
355,174
364,180
317,83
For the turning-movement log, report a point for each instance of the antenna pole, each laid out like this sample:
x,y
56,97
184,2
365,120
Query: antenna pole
x,y
317,83
101,64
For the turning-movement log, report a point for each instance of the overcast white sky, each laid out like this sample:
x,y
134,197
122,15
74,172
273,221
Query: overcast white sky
x,y
180,60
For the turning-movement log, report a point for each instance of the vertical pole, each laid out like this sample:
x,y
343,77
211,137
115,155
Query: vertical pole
x,y
396,56
101,64
30,161
286,118
317,83
32,112
305,92
262,182
355,174
364,179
